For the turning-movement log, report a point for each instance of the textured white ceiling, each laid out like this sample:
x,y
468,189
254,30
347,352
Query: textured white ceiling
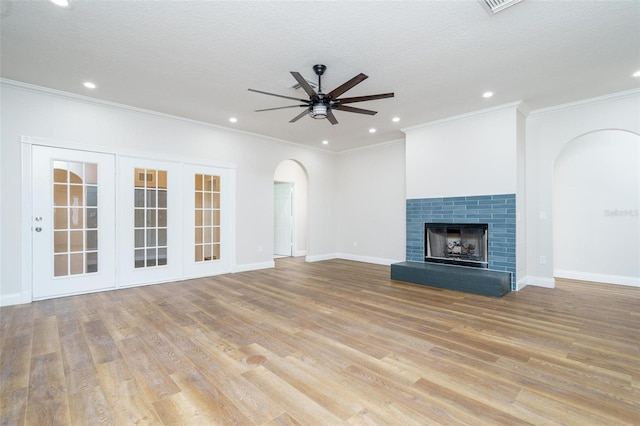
x,y
196,59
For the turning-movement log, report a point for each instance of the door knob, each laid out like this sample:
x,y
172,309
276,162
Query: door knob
x,y
38,228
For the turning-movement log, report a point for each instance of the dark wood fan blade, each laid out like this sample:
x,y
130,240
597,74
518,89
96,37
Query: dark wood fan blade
x,y
280,96
353,109
332,118
299,116
346,86
282,107
363,98
304,84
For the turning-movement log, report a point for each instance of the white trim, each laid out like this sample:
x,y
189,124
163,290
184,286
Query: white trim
x,y
585,102
521,283
122,107
366,147
368,259
512,105
233,218
12,299
26,224
300,253
321,257
254,266
598,278
536,281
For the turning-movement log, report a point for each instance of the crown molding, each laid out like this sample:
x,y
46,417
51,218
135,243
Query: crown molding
x,y
589,101
519,106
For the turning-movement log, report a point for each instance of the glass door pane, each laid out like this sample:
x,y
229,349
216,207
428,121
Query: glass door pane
x,y
207,217
75,246
150,217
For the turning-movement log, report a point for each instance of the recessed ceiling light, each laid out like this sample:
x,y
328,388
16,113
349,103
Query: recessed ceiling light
x,y
89,85
372,130
395,119
233,119
325,142
636,74
61,3
487,94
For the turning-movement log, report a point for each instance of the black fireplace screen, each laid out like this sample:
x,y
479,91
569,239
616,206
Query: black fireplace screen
x,y
456,243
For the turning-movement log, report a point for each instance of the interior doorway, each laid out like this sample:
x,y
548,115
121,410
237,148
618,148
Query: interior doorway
x,y
283,218
290,210
596,193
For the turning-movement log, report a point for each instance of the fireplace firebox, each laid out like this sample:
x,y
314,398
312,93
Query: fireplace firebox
x,y
464,244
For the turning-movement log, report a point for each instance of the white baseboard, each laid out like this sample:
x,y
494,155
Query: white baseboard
x,y
536,281
521,283
321,257
368,259
598,278
11,299
300,253
254,266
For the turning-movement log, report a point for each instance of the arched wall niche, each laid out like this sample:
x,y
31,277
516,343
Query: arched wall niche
x,y
294,172
596,199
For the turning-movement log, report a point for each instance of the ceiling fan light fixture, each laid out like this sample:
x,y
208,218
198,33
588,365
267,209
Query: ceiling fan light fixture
x,y
319,111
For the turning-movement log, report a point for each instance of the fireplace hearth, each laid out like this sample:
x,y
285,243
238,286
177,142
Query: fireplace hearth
x,y
463,244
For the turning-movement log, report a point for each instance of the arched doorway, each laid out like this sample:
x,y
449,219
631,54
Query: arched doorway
x,y
596,197
290,209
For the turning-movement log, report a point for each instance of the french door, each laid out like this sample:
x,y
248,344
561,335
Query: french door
x,y
169,221
73,222
207,221
149,221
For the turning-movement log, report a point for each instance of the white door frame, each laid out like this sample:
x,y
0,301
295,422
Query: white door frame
x,y
26,222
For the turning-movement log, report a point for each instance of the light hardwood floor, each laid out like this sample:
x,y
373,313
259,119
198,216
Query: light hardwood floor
x,y
327,343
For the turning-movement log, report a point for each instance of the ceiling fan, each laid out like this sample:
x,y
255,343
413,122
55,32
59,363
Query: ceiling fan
x,y
321,105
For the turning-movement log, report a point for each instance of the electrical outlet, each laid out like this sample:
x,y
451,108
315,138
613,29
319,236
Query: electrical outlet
x,y
259,249
355,244
543,260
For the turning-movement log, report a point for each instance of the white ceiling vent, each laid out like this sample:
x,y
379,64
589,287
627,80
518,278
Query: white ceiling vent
x,y
495,6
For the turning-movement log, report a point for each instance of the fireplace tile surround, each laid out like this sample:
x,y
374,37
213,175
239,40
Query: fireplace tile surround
x,y
498,211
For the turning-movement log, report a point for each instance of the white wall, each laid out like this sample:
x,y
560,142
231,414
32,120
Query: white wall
x,y
596,200
548,131
60,117
473,154
371,210
291,171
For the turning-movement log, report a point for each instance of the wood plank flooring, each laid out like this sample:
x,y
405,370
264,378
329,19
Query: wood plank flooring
x,y
326,343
